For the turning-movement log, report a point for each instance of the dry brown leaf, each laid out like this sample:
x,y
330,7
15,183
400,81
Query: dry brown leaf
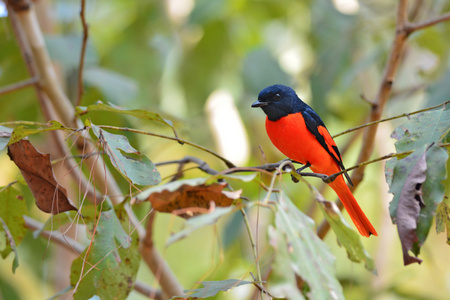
x,y
187,200
38,173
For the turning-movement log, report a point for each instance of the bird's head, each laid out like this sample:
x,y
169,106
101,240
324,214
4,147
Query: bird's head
x,y
278,101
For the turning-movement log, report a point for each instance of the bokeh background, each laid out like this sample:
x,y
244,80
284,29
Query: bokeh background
x,y
201,63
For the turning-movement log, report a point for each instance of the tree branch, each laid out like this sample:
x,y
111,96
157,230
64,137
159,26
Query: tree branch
x,y
415,27
83,52
18,85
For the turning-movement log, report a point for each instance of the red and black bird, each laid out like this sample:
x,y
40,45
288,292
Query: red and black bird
x,y
300,134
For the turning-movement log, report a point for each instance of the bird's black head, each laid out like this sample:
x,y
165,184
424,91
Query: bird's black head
x,y
278,101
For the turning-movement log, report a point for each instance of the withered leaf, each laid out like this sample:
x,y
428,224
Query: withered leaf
x,y
38,173
408,210
187,200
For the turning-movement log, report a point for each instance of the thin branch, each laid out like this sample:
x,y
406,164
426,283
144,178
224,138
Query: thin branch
x,y
226,161
415,27
18,85
390,119
83,53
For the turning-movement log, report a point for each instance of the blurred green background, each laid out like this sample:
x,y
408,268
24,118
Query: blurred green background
x,y
201,63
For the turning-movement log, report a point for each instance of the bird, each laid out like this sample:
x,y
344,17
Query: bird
x,y
300,134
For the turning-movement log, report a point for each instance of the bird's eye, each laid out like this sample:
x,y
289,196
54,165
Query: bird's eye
x,y
277,97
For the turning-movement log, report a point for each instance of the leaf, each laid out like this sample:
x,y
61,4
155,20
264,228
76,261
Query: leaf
x,y
20,132
433,189
5,135
139,113
114,86
200,221
186,200
422,129
133,165
13,207
443,220
408,197
211,288
111,262
10,245
174,185
345,234
37,170
65,49
310,258
282,277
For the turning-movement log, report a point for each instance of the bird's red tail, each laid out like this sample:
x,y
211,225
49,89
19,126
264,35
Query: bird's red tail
x,y
355,212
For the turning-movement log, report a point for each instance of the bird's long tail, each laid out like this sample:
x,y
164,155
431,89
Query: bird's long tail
x,y
355,212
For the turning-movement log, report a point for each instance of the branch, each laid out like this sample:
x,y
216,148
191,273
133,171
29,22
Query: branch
x,y
226,161
83,52
72,245
415,27
57,106
18,85
391,118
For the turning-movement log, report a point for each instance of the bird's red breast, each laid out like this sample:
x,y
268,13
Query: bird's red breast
x,y
290,135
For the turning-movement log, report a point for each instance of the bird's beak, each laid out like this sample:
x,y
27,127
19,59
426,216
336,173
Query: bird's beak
x,y
259,104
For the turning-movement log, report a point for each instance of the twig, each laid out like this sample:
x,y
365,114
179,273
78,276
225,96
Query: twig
x,y
83,52
226,161
18,85
414,27
391,118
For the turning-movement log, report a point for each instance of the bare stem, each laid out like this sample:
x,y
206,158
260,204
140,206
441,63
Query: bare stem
x,y
18,85
83,52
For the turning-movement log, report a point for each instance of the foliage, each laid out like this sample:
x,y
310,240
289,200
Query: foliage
x,y
150,70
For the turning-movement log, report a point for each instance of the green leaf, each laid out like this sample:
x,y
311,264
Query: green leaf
x,y
7,244
310,258
211,288
13,207
200,221
433,189
346,236
139,113
422,129
66,50
282,277
133,165
425,129
108,268
5,135
114,86
443,219
21,132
